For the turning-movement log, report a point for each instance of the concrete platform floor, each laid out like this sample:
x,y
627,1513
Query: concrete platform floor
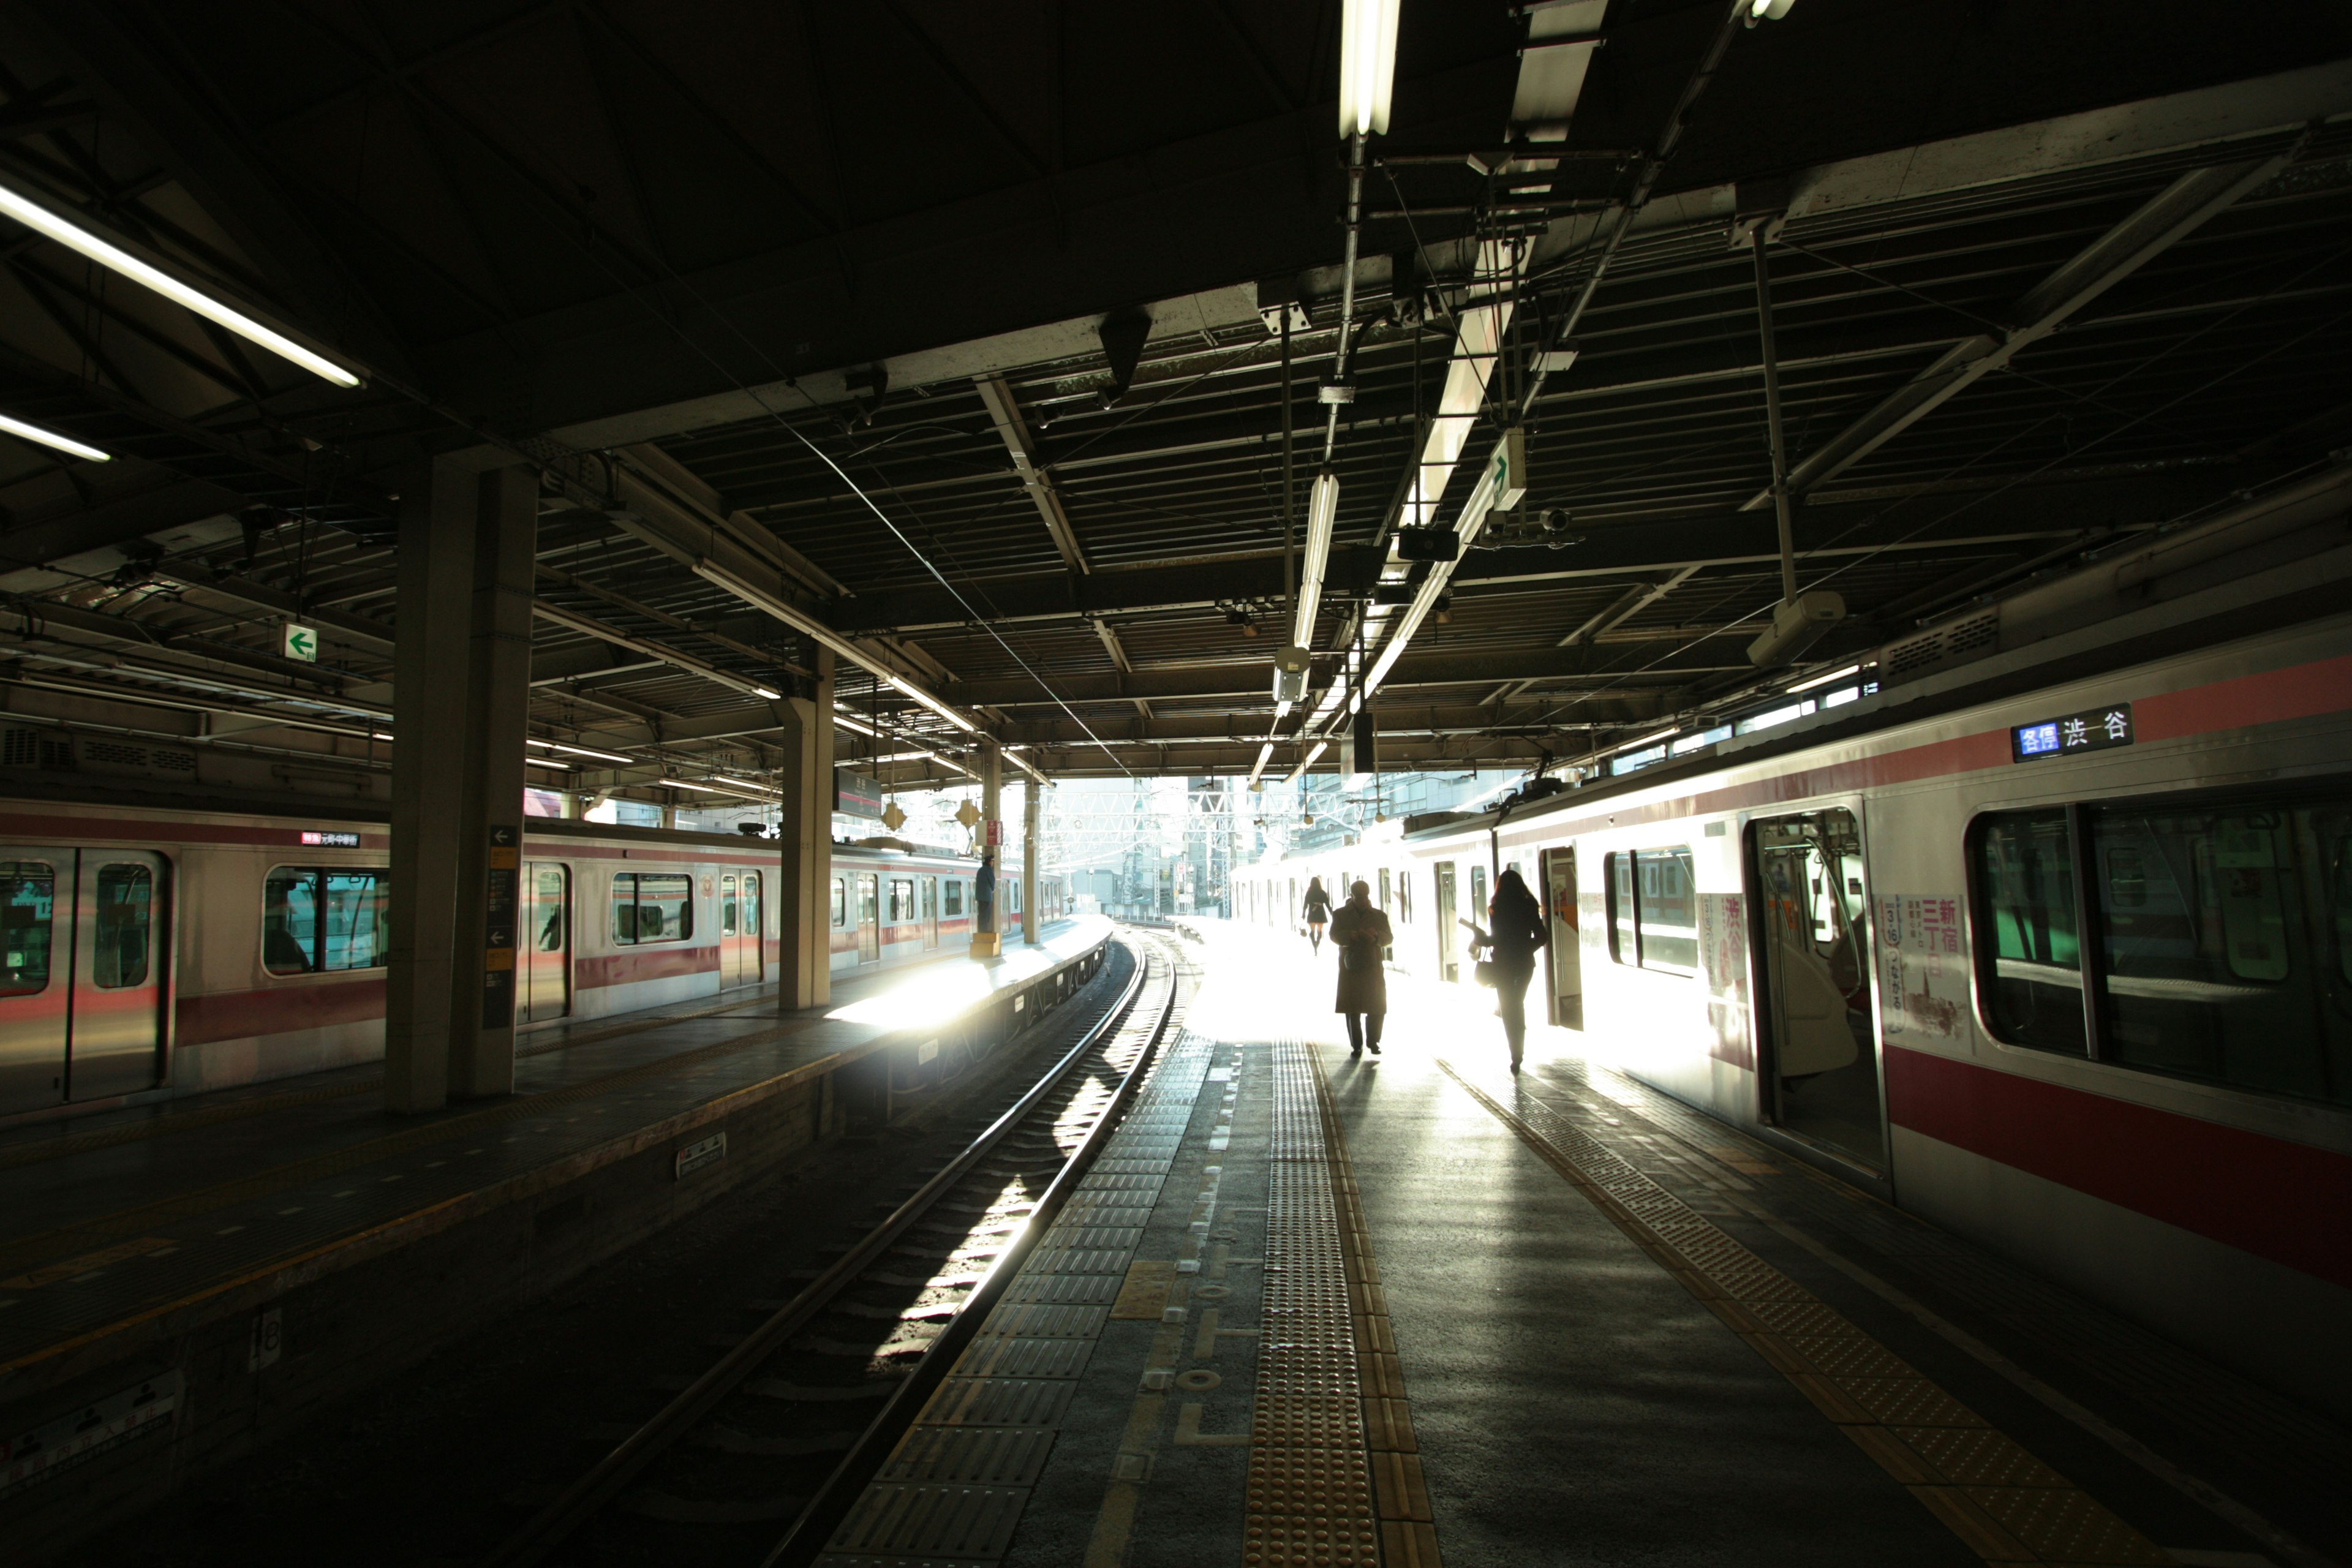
x,y
1413,1309
126,1215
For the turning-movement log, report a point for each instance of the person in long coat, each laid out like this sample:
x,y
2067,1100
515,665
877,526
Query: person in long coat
x,y
1360,933
1318,910
1515,933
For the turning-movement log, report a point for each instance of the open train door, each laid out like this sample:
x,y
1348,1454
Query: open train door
x,y
1819,1057
1565,956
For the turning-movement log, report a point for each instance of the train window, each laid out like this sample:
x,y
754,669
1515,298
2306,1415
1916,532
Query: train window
x,y
2030,973
27,899
1404,897
316,918
902,900
1478,895
126,896
951,896
840,903
1653,910
652,906
1384,887
2217,970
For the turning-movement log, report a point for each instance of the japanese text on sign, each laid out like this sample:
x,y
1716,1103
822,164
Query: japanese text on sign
x,y
2093,730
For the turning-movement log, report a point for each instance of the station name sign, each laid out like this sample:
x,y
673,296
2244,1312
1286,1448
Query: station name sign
x,y
2093,730
329,840
856,793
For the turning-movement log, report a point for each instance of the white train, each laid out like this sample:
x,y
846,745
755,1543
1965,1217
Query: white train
x,y
2069,971
146,949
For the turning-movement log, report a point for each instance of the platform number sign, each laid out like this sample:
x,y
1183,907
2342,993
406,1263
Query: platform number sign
x,y
2093,730
300,643
267,1342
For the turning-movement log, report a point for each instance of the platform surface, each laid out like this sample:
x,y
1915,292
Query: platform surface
x,y
1311,1309
126,1213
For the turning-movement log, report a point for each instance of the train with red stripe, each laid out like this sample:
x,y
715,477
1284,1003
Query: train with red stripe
x,y
2068,970
161,950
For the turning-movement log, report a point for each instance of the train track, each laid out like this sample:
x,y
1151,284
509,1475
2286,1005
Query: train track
x,y
773,1437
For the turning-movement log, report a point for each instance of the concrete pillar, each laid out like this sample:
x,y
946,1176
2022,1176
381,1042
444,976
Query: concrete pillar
x,y
434,572
804,875
987,942
1031,795
489,845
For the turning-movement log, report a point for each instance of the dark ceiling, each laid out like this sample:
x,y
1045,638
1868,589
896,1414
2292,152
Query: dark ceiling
x,y
677,236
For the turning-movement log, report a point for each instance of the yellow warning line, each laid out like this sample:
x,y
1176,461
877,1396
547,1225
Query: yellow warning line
x,y
2004,1504
1408,1527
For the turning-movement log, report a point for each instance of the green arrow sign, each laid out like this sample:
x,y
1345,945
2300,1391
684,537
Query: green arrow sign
x,y
301,643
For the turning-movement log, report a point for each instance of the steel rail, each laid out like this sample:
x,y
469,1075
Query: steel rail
x,y
805,1540
594,1491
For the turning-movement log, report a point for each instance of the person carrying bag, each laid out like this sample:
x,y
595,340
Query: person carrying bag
x,y
1519,931
1317,911
1360,933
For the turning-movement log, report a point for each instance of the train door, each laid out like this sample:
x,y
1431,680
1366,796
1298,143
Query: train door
x,y
1819,1058
545,991
81,974
928,889
1449,941
1565,958
738,930
755,930
869,918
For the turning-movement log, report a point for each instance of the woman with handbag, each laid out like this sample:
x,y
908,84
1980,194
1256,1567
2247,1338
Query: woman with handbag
x,y
1318,911
1516,925
1361,931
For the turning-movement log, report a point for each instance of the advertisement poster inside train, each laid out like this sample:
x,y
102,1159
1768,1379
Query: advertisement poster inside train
x,y
1723,956
1923,961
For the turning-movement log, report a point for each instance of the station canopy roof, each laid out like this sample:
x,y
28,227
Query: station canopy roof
x,y
961,332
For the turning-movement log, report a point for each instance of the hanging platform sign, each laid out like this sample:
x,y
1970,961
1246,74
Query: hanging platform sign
x,y
857,794
300,643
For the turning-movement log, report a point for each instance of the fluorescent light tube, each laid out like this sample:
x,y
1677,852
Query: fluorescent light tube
x,y
1825,679
576,750
763,692
1368,65
74,238
1322,510
1651,740
66,444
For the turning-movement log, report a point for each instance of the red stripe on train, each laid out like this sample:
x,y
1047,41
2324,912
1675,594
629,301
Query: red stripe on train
x,y
628,968
2256,1194
244,1015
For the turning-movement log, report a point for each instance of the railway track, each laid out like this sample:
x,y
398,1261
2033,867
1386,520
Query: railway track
x,y
773,1437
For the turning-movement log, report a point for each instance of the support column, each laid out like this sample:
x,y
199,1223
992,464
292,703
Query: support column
x,y
489,845
1031,796
804,890
986,942
433,580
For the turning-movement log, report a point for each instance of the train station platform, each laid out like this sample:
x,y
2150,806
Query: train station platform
x,y
1311,1309
155,1262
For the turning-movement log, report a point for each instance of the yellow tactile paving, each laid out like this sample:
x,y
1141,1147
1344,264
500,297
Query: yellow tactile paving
x,y
2003,1502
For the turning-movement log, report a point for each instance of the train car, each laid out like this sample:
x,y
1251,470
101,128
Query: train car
x,y
2069,971
158,951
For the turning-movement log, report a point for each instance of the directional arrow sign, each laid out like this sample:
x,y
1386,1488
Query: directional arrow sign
x,y
302,643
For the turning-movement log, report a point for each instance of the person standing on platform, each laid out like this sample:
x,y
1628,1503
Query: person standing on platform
x,y
1318,911
1514,925
1360,933
984,893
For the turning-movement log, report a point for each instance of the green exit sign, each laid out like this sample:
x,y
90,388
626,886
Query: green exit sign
x,y
302,643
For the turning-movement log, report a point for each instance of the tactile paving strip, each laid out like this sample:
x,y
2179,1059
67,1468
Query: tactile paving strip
x,y
2005,1504
1310,1483
953,1490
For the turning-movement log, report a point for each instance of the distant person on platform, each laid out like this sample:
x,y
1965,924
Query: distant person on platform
x,y
1318,911
984,891
1361,931
1515,932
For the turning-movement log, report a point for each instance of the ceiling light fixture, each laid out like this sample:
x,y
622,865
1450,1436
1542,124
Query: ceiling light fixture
x,y
934,704
1825,679
1368,65
1322,511
1651,740
74,238
1307,762
574,751
1767,10
66,444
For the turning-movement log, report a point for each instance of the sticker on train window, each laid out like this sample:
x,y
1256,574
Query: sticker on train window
x,y
325,840
2093,730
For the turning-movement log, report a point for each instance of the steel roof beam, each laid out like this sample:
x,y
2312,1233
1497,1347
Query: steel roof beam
x,y
2188,203
1004,413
